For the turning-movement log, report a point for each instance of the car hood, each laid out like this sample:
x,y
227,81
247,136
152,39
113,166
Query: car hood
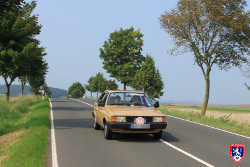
x,y
134,111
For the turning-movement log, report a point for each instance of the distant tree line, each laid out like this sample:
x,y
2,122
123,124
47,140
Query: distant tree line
x,y
21,55
15,90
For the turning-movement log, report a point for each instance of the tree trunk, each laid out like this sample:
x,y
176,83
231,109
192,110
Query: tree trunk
x,y
205,102
8,92
8,87
124,86
23,85
91,94
97,94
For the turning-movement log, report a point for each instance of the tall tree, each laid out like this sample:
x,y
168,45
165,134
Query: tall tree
x,y
216,31
121,54
148,79
99,83
76,90
17,29
90,86
47,90
36,82
32,63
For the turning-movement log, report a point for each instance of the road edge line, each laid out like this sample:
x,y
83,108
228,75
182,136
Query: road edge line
x,y
208,126
53,138
186,153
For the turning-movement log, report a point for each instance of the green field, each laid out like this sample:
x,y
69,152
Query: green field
x,y
25,141
224,117
225,108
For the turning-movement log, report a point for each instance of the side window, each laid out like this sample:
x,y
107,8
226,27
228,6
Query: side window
x,y
104,98
100,98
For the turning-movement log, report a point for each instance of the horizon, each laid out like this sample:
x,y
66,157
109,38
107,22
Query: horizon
x,y
171,101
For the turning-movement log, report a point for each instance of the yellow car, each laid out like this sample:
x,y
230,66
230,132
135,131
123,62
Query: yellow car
x,y
120,111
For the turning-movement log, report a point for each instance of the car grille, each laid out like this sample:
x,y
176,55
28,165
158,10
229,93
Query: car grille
x,y
131,119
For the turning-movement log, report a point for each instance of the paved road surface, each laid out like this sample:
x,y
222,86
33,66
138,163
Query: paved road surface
x,y
78,144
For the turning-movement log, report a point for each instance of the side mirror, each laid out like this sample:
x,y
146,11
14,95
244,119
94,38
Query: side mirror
x,y
156,104
101,104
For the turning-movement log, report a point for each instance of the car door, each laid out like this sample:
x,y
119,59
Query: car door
x,y
101,112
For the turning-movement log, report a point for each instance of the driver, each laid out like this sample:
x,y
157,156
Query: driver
x,y
117,99
135,99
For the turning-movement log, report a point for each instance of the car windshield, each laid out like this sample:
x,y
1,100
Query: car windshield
x,y
129,99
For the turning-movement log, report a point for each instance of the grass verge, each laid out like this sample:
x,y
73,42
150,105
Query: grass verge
x,y
223,122
12,112
30,146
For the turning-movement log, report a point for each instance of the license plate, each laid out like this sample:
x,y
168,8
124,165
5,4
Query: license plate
x,y
140,126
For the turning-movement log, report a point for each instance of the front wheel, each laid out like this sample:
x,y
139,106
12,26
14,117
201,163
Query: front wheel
x,y
96,125
107,132
157,135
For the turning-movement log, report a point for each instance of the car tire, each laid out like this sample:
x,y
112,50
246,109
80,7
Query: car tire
x,y
157,135
96,125
107,132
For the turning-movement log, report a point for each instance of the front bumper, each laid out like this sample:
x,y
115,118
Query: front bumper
x,y
126,126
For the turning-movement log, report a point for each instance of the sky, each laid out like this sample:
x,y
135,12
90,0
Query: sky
x,y
73,31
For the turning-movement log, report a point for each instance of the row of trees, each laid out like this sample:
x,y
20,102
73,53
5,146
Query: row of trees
x,y
21,55
123,60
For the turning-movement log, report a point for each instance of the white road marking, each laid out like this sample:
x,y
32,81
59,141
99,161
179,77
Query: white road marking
x,y
186,153
53,138
82,102
170,145
208,126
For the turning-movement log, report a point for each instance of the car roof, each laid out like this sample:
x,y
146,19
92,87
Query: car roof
x,y
111,91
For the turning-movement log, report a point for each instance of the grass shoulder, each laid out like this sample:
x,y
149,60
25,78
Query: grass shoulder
x,y
237,122
29,138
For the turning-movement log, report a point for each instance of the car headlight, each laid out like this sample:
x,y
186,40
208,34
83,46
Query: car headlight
x,y
120,119
158,119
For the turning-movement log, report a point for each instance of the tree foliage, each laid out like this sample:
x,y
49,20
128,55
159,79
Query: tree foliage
x,y
90,86
76,90
248,87
32,64
111,85
148,79
99,84
121,54
47,90
216,31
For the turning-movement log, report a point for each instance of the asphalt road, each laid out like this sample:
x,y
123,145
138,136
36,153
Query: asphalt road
x,y
78,144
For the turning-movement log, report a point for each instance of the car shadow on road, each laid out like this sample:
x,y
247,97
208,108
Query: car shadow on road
x,y
127,137
166,136
73,123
